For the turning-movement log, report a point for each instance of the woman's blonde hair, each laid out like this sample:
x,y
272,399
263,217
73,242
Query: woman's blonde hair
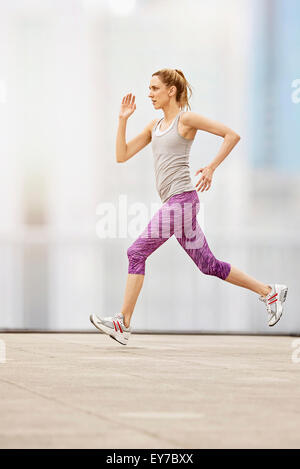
x,y
176,78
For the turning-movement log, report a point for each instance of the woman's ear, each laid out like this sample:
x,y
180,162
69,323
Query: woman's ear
x,y
172,90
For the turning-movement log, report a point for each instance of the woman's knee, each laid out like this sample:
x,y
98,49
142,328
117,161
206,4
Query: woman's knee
x,y
136,261
216,268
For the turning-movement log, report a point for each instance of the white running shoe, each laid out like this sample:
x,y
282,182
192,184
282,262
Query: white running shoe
x,y
274,302
113,326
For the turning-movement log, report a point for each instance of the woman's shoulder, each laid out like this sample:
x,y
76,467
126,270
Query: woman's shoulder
x,y
187,117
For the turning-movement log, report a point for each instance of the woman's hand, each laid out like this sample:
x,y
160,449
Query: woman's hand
x,y
128,106
204,182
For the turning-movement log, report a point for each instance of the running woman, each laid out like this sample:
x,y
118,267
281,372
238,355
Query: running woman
x,y
172,138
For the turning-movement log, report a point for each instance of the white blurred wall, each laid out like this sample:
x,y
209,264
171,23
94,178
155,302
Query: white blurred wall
x,y
65,67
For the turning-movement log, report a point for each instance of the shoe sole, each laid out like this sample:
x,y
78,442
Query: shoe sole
x,y
285,291
106,330
271,325
112,337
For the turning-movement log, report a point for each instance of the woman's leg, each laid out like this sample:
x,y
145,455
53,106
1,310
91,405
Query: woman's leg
x,y
158,231
193,241
209,265
204,258
133,287
237,277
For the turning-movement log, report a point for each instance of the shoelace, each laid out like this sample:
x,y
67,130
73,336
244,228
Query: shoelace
x,y
117,321
265,299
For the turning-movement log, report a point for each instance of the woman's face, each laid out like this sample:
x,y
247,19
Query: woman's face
x,y
158,92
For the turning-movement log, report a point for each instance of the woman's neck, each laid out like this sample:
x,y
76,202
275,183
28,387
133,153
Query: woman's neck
x,y
170,114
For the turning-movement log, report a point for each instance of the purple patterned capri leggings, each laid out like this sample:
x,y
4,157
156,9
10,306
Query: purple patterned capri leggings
x,y
176,216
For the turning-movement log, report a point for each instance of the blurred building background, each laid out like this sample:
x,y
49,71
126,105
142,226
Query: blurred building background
x,y
64,67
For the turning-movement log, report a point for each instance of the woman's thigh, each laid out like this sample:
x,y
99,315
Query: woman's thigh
x,y
155,233
173,217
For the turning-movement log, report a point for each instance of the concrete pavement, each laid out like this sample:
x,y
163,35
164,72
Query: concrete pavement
x,y
160,391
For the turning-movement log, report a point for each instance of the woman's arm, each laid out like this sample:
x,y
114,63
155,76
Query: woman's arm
x,y
124,150
199,122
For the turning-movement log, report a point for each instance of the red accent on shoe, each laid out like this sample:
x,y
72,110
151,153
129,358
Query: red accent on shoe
x,y
272,301
273,296
115,326
120,326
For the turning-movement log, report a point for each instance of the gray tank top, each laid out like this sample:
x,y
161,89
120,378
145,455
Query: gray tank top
x,y
171,154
